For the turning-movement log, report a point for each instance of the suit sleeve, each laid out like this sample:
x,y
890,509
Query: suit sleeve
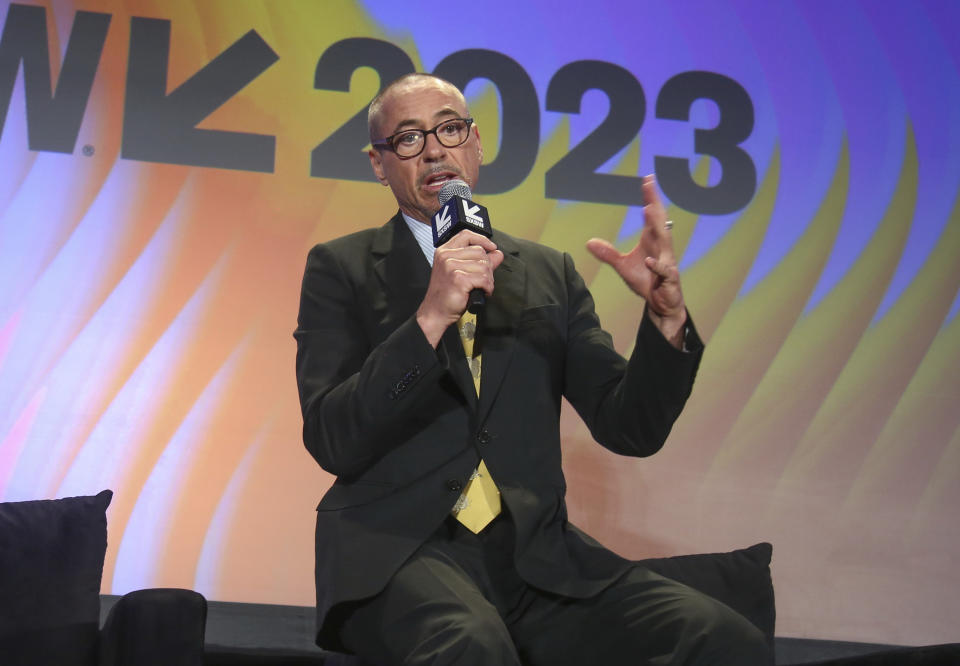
x,y
354,396
629,405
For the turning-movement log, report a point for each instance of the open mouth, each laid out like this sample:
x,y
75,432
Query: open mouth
x,y
436,180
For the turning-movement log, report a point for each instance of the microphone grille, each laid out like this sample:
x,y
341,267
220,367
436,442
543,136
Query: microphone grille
x,y
454,188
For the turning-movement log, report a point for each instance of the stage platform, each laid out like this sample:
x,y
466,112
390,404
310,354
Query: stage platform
x,y
244,633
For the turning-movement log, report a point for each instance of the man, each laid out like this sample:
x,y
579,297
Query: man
x,y
394,407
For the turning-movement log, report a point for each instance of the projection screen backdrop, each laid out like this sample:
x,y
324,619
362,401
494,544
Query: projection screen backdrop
x,y
167,165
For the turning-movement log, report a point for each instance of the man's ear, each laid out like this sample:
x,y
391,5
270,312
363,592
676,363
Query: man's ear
x,y
476,133
376,161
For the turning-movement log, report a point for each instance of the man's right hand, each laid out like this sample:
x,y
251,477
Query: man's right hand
x,y
465,262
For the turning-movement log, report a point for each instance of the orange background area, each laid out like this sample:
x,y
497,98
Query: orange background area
x,y
146,346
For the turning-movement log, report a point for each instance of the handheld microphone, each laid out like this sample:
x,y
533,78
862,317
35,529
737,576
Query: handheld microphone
x,y
458,212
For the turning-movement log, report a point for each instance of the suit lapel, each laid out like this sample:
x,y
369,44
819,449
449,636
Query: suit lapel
x,y
498,324
402,270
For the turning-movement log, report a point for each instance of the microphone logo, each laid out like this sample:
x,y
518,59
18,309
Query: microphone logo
x,y
457,212
470,214
444,220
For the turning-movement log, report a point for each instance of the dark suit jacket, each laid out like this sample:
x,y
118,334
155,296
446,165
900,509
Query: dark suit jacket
x,y
401,427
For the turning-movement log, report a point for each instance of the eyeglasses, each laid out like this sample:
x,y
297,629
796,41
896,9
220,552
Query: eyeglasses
x,y
409,143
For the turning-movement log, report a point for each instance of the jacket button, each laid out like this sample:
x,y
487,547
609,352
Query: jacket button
x,y
454,485
484,436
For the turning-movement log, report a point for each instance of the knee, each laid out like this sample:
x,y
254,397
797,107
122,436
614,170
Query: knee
x,y
721,636
467,638
431,634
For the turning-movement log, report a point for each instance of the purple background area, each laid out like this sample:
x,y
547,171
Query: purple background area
x,y
818,74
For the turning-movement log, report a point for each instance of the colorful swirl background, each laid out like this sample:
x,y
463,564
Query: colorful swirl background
x,y
146,309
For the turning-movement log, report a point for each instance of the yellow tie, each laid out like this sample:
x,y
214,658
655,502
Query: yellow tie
x,y
480,501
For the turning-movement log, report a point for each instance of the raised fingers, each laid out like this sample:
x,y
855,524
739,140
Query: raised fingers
x,y
654,214
653,209
604,250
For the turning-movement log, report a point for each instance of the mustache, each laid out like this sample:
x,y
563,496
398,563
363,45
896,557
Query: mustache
x,y
448,168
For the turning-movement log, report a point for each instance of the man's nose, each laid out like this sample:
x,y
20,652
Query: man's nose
x,y
433,149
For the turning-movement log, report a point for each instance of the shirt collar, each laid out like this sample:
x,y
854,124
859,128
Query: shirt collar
x,y
424,235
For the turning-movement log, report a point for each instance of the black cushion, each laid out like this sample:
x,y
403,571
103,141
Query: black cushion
x,y
930,655
740,579
155,627
51,562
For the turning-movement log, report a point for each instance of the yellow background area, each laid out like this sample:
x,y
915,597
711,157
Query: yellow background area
x,y
146,347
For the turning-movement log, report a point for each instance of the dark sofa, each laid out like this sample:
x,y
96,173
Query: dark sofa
x,y
271,635
51,563
51,612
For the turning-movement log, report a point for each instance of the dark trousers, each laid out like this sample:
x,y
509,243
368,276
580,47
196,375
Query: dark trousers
x,y
459,600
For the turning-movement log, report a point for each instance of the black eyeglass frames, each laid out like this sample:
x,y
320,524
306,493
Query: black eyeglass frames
x,y
410,143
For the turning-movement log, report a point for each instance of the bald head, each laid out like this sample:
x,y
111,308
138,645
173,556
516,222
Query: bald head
x,y
405,84
422,102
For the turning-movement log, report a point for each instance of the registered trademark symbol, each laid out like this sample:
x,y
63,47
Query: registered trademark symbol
x,y
88,150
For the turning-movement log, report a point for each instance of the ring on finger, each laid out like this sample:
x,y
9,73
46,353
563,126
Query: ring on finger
x,y
668,225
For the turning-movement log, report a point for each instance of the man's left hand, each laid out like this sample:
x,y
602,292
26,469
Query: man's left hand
x,y
650,269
